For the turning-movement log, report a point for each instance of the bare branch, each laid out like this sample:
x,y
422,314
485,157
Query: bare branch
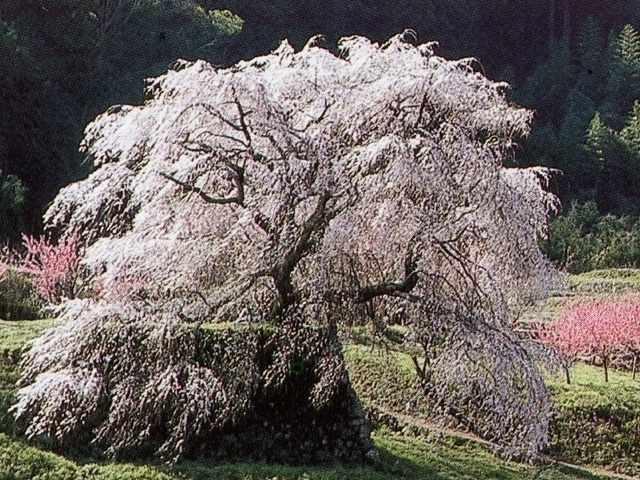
x,y
238,180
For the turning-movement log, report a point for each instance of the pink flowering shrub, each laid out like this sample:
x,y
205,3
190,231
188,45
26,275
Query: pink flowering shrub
x,y
53,267
598,328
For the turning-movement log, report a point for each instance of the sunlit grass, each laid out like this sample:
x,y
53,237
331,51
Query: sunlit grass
x,y
591,377
14,334
613,281
400,458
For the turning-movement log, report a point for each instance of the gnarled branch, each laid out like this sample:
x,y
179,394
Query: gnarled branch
x,y
281,272
238,180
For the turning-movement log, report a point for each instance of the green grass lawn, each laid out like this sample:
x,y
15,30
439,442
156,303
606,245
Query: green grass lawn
x,y
14,334
613,281
400,458
595,421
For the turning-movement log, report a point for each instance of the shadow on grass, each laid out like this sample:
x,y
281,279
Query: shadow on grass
x,y
400,458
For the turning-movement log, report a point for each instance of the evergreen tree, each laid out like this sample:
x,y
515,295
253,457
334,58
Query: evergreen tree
x,y
581,171
623,83
549,85
628,49
12,194
630,134
618,189
65,61
596,137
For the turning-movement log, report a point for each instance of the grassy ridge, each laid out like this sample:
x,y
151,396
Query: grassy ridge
x,y
596,422
383,381
610,282
410,453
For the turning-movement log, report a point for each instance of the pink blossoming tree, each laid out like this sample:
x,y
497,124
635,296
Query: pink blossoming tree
x,y
598,328
53,267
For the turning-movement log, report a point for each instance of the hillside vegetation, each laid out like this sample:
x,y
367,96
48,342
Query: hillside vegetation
x,y
409,449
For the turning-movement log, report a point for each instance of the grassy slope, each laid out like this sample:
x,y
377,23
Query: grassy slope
x,y
614,281
596,422
401,457
412,455
13,335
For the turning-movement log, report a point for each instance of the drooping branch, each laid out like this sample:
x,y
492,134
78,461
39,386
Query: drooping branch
x,y
242,116
405,285
464,266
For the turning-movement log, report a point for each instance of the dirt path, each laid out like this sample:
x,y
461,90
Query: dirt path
x,y
409,419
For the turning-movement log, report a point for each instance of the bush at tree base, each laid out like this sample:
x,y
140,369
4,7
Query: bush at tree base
x,y
298,190
251,392
19,299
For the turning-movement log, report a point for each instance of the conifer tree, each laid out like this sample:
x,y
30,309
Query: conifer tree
x,y
617,189
623,83
590,49
628,49
630,134
572,159
596,137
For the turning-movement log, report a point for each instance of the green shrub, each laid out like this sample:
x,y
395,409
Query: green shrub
x,y
583,240
20,462
19,299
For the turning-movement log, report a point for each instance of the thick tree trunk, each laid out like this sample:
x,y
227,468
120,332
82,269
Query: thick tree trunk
x,y
604,366
566,373
281,273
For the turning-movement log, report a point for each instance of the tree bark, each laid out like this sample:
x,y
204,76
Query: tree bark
x,y
281,273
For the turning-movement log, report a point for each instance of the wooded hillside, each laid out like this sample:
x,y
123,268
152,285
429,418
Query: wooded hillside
x,y
575,63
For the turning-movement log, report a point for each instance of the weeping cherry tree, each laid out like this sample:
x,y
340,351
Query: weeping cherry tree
x,y
292,194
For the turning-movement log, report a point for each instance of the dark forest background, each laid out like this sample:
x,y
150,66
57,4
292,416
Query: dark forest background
x,y
576,63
